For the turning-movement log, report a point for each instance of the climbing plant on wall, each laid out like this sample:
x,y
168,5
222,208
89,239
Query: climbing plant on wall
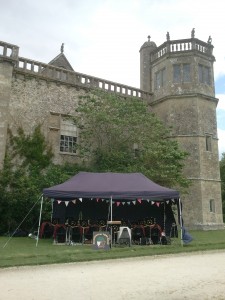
x,y
27,169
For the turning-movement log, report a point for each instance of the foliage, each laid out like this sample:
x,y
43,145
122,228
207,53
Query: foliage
x,y
123,135
222,175
27,169
32,148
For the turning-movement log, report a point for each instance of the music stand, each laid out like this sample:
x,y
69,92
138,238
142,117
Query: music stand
x,y
111,224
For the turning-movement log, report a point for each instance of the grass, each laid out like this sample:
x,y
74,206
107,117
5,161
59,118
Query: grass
x,y
20,251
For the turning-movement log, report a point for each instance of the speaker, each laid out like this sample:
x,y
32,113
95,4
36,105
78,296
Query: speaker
x,y
124,236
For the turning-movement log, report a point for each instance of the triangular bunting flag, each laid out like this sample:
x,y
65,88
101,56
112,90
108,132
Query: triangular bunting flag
x,y
66,202
59,201
157,203
74,201
80,199
123,203
117,203
139,200
134,202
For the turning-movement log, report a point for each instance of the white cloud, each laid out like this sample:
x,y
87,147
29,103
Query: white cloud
x,y
103,37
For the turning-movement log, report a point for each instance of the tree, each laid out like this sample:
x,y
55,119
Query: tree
x,y
123,135
222,175
27,169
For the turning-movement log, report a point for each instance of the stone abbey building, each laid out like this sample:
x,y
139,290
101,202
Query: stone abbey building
x,y
177,80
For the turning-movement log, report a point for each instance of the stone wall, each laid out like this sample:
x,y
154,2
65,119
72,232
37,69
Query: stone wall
x,y
35,93
35,101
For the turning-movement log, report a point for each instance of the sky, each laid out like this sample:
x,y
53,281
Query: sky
x,y
102,38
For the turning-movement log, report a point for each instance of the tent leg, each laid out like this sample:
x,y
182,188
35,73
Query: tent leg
x,y
111,217
181,223
39,223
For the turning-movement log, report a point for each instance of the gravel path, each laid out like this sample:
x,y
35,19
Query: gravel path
x,y
198,276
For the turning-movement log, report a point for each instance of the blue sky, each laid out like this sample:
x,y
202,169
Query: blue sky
x,y
103,37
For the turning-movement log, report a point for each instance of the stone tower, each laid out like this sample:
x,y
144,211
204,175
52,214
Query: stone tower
x,y
180,76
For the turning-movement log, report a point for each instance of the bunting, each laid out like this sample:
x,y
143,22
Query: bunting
x,y
118,203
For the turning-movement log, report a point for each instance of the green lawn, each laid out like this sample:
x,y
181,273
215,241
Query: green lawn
x,y
23,251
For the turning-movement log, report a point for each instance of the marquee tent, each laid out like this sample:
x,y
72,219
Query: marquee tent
x,y
121,187
118,186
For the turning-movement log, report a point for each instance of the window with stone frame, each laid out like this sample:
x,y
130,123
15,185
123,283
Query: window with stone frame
x,y
68,136
186,73
204,74
208,142
212,205
181,73
160,78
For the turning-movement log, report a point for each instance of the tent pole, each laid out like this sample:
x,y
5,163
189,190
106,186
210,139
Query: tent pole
x,y
111,217
181,223
39,223
111,208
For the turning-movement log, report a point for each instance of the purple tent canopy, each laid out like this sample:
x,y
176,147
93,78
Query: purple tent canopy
x,y
110,185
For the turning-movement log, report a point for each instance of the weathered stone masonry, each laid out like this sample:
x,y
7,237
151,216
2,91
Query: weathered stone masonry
x,y
34,93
